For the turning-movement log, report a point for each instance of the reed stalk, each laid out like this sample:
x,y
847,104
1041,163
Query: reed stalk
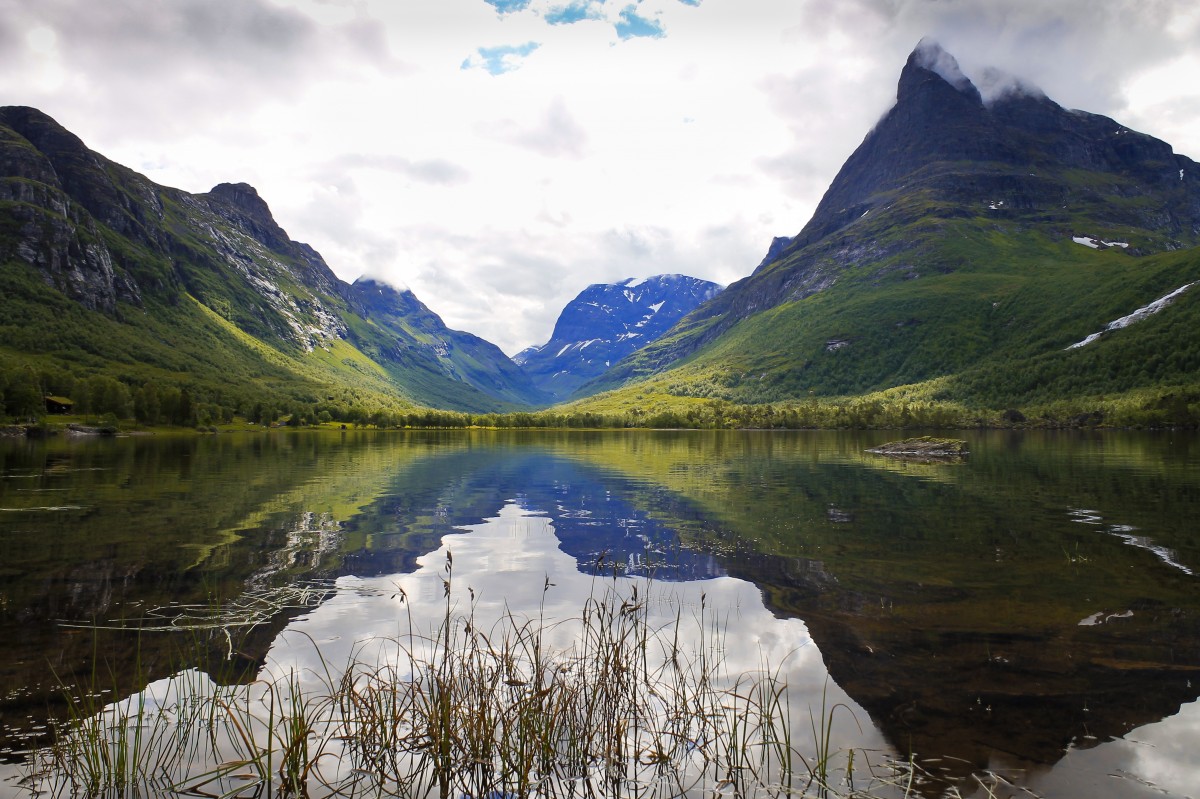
x,y
468,710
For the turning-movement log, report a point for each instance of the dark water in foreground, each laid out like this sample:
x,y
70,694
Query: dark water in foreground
x,y
1031,614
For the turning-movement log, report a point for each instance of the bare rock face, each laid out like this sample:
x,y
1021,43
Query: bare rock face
x,y
117,197
44,226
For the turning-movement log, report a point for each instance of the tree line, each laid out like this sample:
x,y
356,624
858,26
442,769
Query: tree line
x,y
25,391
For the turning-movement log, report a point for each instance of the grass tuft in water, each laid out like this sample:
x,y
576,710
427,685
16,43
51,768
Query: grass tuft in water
x,y
468,709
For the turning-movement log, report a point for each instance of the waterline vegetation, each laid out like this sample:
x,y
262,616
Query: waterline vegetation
x,y
473,708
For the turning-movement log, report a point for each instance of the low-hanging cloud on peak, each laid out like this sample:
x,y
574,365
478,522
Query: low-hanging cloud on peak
x,y
995,84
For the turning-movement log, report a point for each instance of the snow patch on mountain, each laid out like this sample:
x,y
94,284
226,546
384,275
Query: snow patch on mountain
x,y
1095,244
1141,313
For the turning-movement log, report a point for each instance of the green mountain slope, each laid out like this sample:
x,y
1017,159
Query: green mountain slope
x,y
106,274
965,244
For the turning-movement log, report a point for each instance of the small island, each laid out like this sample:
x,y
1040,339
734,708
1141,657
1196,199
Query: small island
x,y
924,448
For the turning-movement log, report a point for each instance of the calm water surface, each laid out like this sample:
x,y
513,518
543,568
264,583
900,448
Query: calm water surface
x,y
1029,617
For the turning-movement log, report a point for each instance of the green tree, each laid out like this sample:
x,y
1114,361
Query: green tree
x,y
109,396
185,413
146,404
24,397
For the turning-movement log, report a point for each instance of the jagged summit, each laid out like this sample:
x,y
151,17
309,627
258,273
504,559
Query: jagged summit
x,y
928,56
942,127
245,198
990,86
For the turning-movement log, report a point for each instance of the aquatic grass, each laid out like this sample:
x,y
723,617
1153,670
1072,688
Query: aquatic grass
x,y
468,708
822,730
128,745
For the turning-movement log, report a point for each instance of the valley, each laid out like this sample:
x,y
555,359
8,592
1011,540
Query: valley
x,y
973,263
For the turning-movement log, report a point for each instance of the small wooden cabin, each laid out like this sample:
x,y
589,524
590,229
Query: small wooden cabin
x,y
59,404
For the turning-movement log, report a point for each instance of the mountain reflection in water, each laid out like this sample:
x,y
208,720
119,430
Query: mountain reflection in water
x,y
971,611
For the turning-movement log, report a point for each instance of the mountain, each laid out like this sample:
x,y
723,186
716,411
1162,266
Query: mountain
x,y
107,274
417,338
963,247
605,323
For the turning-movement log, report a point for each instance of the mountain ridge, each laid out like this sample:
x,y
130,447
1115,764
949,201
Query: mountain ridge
x,y
942,165
121,246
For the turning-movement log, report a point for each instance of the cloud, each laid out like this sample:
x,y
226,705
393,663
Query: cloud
x,y
501,59
126,64
335,210
994,84
1079,52
556,135
631,25
433,171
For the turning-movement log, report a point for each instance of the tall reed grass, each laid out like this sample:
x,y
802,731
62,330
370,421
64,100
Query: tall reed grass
x,y
468,709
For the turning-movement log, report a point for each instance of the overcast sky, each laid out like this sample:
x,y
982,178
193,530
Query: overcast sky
x,y
497,156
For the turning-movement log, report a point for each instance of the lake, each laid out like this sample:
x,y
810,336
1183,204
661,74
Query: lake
x,y
1025,620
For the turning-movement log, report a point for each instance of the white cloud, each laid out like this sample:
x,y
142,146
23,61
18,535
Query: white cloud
x,y
498,197
557,133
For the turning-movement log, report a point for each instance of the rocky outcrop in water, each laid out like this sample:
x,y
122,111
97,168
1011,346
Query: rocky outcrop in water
x,y
923,448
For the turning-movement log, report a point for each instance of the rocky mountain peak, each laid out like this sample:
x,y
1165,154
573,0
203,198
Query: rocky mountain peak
x,y
42,131
376,297
240,203
245,198
927,64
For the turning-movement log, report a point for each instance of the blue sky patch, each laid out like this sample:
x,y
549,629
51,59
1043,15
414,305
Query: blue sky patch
x,y
501,59
632,25
576,11
690,2
508,6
